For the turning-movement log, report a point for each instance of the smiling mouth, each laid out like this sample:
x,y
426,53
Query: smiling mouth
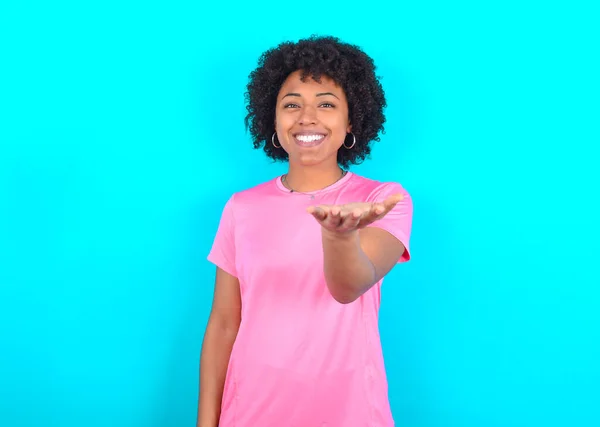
x,y
309,140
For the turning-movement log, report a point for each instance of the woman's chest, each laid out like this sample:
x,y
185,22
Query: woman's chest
x,y
282,247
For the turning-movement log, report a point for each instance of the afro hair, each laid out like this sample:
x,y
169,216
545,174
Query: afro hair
x,y
346,64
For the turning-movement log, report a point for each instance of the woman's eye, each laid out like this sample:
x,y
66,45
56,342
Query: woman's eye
x,y
327,105
290,106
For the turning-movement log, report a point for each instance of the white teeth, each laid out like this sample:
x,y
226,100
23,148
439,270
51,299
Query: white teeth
x,y
309,138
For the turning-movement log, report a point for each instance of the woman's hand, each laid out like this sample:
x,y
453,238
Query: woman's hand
x,y
345,219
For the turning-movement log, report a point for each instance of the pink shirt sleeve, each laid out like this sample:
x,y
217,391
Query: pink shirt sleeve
x,y
398,221
222,253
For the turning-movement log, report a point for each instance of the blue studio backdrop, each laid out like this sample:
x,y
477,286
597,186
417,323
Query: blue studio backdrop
x,y
122,136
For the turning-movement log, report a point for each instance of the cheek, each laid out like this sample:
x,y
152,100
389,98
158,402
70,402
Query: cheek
x,y
342,121
283,122
341,127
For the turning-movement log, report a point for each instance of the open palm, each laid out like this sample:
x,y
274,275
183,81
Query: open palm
x,y
352,216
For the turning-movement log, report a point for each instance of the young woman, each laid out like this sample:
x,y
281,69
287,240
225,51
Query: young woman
x,y
292,339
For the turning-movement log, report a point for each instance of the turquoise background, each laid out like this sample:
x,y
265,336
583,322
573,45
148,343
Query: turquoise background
x,y
122,136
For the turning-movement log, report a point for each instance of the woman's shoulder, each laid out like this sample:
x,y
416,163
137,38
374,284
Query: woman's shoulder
x,y
255,193
372,188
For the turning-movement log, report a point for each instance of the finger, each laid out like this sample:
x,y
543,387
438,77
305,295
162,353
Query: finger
x,y
335,214
358,213
334,218
351,220
376,211
383,208
318,212
392,201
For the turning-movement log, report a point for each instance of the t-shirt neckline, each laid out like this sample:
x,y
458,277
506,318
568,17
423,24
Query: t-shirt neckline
x,y
332,187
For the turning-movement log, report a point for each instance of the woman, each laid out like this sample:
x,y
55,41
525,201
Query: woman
x,y
292,339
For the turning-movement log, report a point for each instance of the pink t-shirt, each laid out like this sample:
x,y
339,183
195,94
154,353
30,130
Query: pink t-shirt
x,y
301,359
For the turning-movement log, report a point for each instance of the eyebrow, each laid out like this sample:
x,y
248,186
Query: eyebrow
x,y
318,94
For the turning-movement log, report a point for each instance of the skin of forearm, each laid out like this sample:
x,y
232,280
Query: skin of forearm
x,y
348,270
216,351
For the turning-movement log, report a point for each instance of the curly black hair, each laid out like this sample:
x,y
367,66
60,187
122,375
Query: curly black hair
x,y
346,64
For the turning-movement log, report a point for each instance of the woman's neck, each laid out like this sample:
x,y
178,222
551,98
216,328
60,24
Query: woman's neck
x,y
312,178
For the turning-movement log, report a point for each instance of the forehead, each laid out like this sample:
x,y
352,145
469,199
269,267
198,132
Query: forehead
x,y
294,83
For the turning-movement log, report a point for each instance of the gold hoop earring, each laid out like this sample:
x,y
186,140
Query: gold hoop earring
x,y
273,141
353,142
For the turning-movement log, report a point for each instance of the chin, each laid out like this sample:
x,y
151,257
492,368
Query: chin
x,y
308,160
313,159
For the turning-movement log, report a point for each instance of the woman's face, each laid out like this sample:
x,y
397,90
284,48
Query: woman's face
x,y
311,119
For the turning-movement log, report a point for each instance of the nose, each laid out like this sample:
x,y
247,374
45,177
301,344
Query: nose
x,y
308,116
